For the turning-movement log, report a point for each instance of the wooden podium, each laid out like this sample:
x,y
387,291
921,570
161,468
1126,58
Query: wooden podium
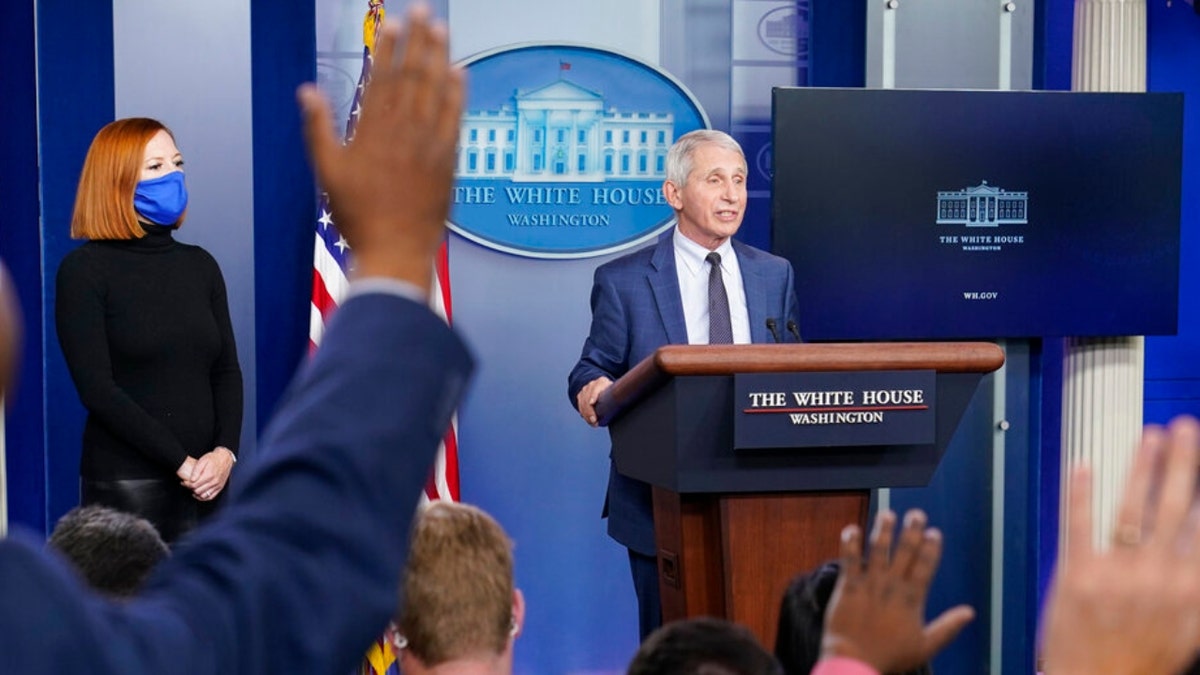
x,y
734,527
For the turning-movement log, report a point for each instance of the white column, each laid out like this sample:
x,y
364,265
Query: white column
x,y
1110,46
1102,419
883,496
888,78
1004,58
1103,378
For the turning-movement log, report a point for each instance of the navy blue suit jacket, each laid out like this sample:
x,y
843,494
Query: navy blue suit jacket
x,y
299,572
637,308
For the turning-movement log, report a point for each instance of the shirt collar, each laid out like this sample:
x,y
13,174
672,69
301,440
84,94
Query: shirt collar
x,y
692,254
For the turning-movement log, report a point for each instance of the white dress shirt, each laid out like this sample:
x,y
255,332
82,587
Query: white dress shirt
x,y
692,270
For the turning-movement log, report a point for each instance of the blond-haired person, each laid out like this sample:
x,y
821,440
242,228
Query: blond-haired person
x,y
460,611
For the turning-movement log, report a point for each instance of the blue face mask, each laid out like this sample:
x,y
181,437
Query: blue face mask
x,y
161,200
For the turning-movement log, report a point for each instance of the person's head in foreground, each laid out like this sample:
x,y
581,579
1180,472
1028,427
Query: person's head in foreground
x,y
114,551
702,646
458,602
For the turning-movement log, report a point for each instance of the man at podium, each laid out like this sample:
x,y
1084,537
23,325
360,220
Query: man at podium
x,y
696,285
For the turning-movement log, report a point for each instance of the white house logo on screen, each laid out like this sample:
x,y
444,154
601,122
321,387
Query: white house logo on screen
x,y
563,150
982,206
783,30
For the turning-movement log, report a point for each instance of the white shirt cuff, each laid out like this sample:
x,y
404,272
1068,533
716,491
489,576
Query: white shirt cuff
x,y
386,285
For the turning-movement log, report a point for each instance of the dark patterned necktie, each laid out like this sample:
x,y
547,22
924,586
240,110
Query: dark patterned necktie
x,y
720,328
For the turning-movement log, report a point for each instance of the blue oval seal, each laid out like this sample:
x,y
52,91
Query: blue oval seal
x,y
784,30
562,150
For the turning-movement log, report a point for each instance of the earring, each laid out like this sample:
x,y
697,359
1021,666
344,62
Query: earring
x,y
399,642
513,627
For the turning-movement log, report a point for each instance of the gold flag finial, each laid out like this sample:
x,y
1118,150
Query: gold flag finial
x,y
371,23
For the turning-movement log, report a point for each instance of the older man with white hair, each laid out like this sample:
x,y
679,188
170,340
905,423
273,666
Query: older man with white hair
x,y
696,285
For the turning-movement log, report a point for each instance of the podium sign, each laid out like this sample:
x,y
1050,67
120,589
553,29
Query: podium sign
x,y
829,409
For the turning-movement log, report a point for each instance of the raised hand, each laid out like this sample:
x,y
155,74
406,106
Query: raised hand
x,y
877,612
390,186
1134,608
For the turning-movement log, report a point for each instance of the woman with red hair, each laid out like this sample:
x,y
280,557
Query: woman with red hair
x,y
143,322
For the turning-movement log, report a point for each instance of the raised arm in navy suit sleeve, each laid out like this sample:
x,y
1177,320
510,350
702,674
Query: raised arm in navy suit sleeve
x,y
299,571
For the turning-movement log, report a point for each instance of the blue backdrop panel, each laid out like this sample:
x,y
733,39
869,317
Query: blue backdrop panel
x,y
525,454
839,43
1023,529
1172,366
958,501
1049,442
75,99
528,458
1053,28
21,251
283,55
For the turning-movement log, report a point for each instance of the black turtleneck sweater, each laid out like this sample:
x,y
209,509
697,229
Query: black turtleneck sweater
x,y
144,326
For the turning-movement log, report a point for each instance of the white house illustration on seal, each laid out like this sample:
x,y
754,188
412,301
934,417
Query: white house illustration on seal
x,y
560,132
982,206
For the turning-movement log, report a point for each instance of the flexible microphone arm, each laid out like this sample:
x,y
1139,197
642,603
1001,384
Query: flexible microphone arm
x,y
771,327
791,326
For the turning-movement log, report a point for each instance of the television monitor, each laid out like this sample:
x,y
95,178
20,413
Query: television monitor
x,y
944,214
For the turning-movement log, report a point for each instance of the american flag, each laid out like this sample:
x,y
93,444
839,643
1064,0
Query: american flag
x,y
331,259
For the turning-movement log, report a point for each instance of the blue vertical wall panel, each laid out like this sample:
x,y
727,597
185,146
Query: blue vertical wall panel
x,y
75,99
959,502
1022,478
20,248
1053,36
1173,64
1053,28
839,43
1049,460
283,55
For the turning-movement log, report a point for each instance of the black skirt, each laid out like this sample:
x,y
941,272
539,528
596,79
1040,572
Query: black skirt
x,y
168,505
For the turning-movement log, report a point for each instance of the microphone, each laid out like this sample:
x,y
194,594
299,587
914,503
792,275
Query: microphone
x,y
771,327
791,326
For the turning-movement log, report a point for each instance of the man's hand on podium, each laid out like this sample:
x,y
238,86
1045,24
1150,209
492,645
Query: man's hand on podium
x,y
587,397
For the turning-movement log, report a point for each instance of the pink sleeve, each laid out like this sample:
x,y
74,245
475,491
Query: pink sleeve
x,y
842,666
